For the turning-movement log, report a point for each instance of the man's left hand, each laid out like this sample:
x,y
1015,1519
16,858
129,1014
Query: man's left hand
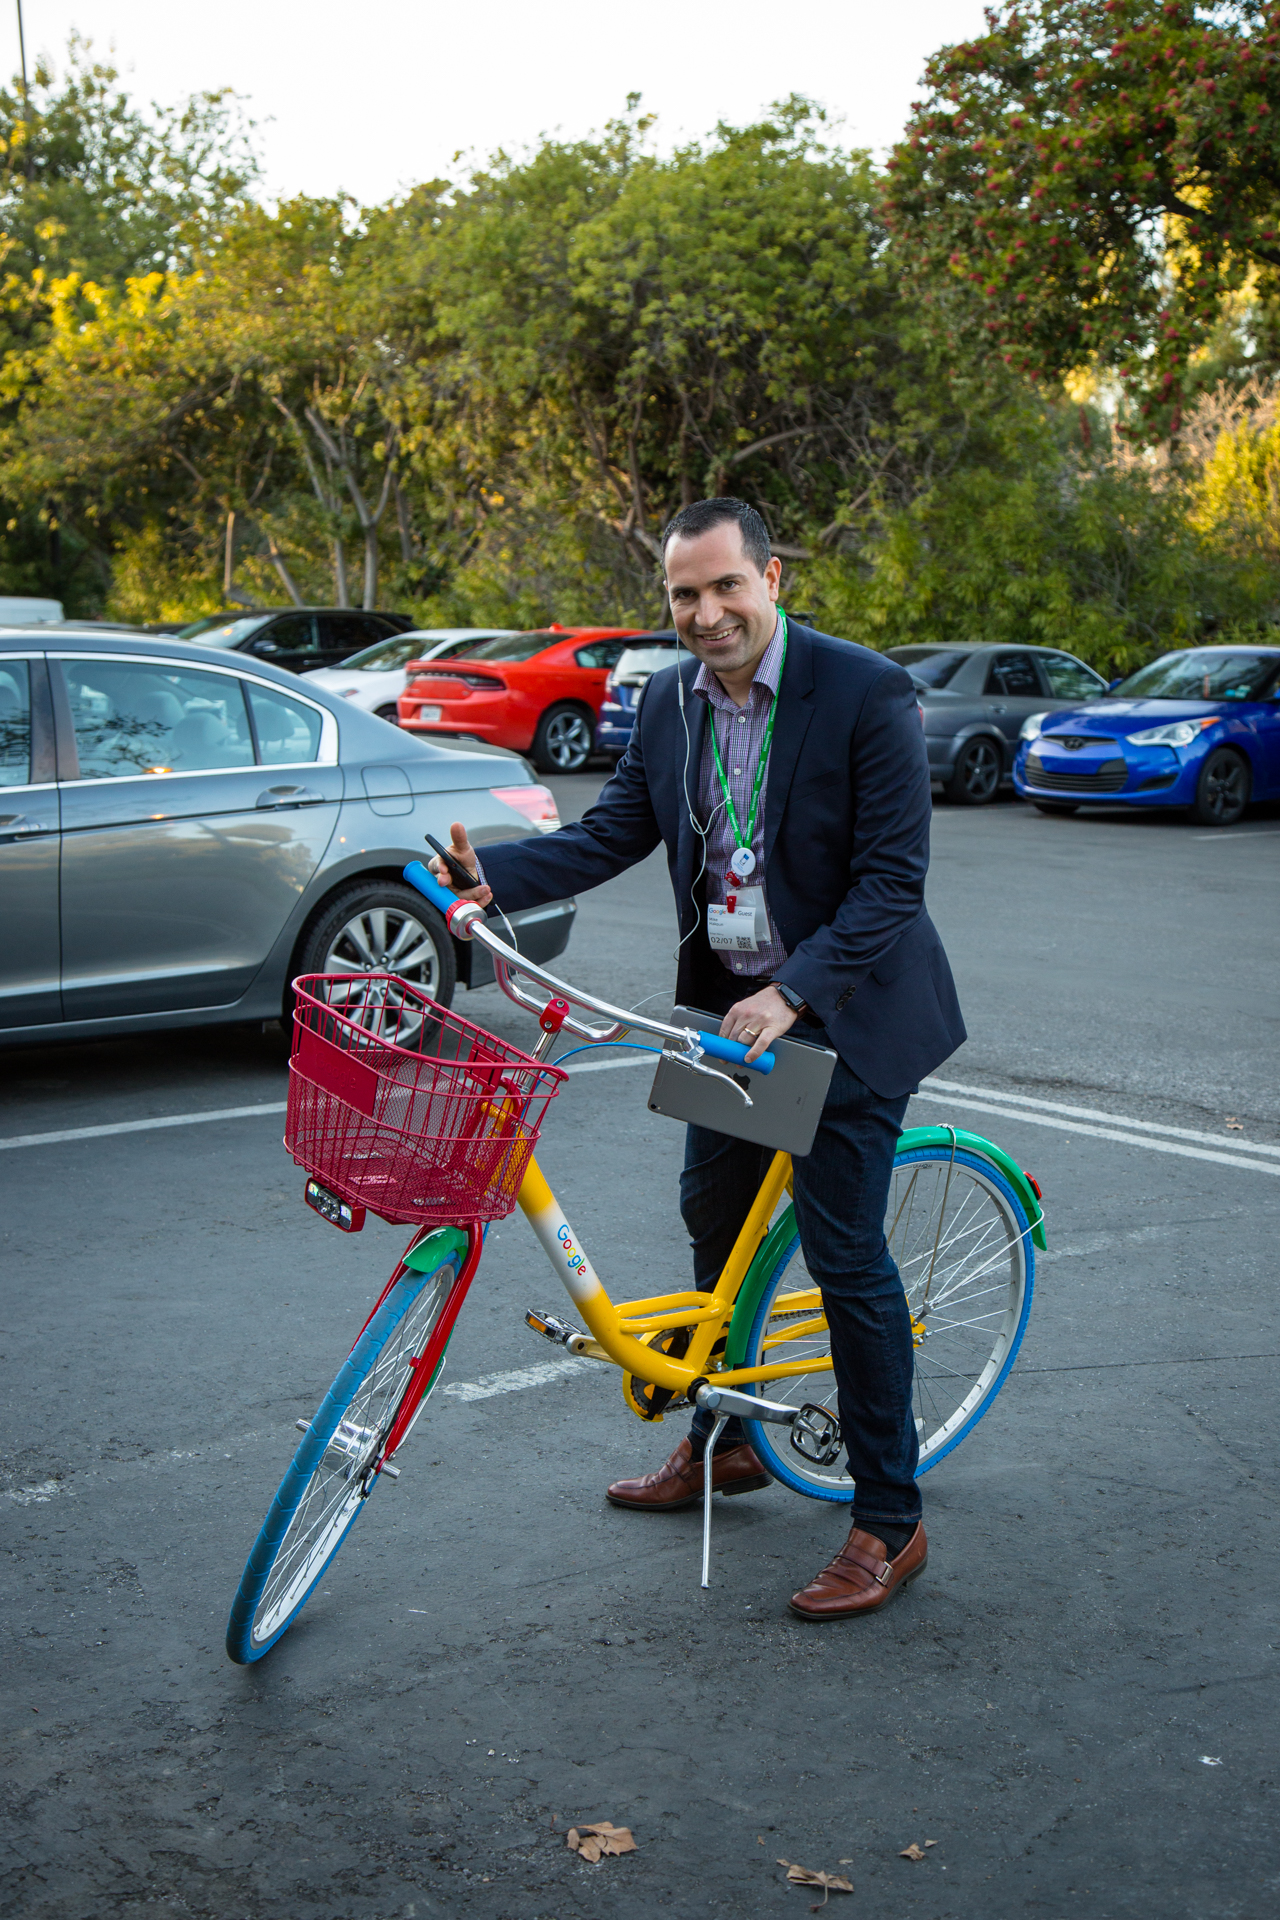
x,y
758,1022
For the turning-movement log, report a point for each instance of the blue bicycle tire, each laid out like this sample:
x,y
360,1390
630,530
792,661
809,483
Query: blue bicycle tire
x,y
772,1443
248,1635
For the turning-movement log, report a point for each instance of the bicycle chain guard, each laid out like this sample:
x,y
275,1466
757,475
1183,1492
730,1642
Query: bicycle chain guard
x,y
815,1435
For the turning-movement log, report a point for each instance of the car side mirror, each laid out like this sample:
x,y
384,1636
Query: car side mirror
x,y
265,646
1112,684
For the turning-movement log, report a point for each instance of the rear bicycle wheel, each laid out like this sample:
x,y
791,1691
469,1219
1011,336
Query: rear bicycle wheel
x,y
338,1464
962,1244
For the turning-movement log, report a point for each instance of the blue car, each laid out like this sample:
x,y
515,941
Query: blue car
x,y
1198,729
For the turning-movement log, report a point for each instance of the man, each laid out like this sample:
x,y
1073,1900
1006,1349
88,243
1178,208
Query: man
x,y
787,770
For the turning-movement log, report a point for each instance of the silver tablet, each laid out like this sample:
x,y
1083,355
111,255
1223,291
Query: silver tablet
x,y
786,1104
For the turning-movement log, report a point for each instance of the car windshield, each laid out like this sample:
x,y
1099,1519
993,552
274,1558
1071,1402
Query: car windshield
x,y
389,654
514,646
225,633
932,665
1203,674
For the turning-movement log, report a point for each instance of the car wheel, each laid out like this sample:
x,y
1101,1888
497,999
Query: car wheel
x,y
1222,791
376,927
563,741
976,778
1056,806
391,713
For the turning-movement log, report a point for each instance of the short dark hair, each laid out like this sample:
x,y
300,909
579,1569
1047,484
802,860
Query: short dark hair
x,y
705,514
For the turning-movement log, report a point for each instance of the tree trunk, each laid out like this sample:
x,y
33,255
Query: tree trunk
x,y
341,592
229,556
278,562
371,566
406,531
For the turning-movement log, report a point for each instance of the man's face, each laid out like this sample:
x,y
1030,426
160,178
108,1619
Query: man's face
x,y
725,610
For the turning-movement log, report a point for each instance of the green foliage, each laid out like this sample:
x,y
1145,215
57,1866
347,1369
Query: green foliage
x,y
1044,544
89,184
1090,180
482,402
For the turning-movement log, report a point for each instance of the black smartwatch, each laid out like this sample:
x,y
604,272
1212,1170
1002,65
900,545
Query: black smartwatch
x,y
798,1006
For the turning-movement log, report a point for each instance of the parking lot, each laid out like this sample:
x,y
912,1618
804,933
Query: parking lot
x,y
1076,1703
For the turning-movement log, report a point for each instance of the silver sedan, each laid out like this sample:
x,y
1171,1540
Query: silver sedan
x,y
975,700
183,832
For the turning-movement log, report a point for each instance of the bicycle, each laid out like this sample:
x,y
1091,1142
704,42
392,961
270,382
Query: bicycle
x,y
398,1106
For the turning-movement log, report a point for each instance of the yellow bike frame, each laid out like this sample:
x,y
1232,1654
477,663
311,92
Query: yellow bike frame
x,y
616,1328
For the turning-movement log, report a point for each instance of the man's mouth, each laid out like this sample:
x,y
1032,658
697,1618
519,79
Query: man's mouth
x,y
715,639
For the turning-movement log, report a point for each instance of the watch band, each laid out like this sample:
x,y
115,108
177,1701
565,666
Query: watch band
x,y
792,998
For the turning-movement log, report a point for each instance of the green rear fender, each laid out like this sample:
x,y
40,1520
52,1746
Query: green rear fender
x,y
782,1232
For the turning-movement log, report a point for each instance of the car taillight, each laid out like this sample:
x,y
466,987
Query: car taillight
x,y
611,681
537,804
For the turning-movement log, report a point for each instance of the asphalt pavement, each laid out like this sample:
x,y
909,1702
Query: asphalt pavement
x,y
1076,1703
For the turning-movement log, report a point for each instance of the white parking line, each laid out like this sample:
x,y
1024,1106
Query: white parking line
x,y
1097,1133
139,1126
1095,1113
516,1381
230,1113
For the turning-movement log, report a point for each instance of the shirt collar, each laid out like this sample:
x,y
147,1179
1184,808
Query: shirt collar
x,y
767,674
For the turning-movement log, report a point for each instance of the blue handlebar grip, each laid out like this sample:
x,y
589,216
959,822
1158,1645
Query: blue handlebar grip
x,y
734,1050
424,880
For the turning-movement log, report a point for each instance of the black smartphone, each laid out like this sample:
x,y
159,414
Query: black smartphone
x,y
455,866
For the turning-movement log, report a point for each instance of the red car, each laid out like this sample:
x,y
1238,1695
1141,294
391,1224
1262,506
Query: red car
x,y
538,692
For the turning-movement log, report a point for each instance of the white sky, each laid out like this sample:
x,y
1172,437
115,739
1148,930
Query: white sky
x,y
374,100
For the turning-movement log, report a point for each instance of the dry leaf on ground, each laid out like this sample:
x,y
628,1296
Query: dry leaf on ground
x,y
913,1852
807,1877
601,1837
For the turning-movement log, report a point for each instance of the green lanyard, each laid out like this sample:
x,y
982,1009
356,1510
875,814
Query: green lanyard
x,y
744,839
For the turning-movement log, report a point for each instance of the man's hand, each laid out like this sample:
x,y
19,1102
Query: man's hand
x,y
462,851
758,1022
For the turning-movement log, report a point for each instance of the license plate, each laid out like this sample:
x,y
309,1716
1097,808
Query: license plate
x,y
428,713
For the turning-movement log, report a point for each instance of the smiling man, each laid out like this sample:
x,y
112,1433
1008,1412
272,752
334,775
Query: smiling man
x,y
786,773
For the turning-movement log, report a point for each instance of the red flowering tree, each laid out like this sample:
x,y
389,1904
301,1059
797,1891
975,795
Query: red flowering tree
x,y
1088,180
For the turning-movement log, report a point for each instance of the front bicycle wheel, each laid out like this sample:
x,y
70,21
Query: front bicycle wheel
x,y
337,1465
962,1243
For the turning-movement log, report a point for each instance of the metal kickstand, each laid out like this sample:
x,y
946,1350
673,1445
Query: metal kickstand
x,y
722,1421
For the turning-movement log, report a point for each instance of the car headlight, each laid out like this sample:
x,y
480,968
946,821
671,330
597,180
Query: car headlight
x,y
1032,726
1177,733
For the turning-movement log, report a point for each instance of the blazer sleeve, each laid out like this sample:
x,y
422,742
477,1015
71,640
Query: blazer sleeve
x,y
620,830
892,809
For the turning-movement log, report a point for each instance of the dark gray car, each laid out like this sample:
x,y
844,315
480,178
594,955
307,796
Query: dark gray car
x,y
975,700
183,832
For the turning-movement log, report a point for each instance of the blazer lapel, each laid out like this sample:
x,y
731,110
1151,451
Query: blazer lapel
x,y
795,711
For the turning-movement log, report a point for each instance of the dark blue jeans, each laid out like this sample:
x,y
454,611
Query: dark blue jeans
x,y
841,1191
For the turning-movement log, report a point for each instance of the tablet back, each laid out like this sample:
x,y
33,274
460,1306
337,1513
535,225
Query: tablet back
x,y
786,1104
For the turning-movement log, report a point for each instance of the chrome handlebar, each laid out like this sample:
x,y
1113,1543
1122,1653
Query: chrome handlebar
x,y
466,921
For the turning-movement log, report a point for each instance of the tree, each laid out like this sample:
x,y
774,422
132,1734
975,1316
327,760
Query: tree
x,y
1090,180
91,184
618,334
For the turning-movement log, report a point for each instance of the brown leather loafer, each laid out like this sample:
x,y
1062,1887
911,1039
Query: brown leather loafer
x,y
679,1483
861,1577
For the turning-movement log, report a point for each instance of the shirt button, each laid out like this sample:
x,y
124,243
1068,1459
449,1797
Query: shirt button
x,y
738,770
742,719
737,966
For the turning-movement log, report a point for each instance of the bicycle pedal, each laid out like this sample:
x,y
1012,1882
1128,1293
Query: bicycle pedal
x,y
559,1332
303,1426
815,1435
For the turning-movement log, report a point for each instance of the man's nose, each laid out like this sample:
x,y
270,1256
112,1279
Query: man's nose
x,y
710,611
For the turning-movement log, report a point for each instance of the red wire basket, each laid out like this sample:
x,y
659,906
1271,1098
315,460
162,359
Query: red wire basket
x,y
397,1105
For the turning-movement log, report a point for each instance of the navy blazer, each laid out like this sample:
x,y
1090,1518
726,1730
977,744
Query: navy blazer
x,y
846,849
